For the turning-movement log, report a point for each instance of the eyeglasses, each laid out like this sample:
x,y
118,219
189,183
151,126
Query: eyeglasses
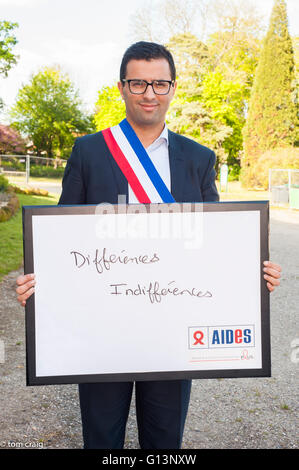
x,y
160,87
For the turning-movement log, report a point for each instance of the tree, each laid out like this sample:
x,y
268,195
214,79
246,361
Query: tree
x,y
7,43
110,109
225,100
272,117
215,72
235,55
207,107
48,111
11,141
295,41
235,17
192,119
158,21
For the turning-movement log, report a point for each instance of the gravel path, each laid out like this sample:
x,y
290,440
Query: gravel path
x,y
259,413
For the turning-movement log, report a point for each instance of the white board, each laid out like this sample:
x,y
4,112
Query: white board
x,y
146,293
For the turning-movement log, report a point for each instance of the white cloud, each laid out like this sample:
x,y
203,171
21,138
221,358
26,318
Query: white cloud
x,y
74,52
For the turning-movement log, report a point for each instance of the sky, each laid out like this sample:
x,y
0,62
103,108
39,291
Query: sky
x,y
86,38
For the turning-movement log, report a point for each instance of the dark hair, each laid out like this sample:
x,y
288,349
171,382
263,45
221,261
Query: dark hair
x,y
146,51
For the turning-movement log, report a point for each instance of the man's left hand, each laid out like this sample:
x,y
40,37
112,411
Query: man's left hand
x,y
271,274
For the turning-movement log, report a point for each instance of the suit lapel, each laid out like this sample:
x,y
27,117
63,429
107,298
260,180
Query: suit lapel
x,y
177,163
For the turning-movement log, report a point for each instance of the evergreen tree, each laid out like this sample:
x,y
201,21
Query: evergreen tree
x,y
272,119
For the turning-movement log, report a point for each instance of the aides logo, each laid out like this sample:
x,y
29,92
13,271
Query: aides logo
x,y
199,337
208,337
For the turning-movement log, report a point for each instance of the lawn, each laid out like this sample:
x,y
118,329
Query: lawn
x,y
11,234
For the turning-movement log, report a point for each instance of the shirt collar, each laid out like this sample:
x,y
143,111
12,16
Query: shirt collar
x,y
163,137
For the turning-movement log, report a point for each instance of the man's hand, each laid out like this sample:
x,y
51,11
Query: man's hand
x,y
272,274
25,287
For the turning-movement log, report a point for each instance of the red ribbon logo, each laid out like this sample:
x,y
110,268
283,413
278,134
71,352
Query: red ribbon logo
x,y
198,336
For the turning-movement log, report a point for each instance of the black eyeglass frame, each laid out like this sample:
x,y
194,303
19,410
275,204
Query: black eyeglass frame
x,y
170,83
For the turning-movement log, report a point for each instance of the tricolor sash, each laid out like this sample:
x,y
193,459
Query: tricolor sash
x,y
135,163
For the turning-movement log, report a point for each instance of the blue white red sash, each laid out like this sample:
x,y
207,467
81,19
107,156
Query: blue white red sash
x,y
135,163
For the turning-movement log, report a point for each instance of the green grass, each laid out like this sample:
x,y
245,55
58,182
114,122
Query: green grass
x,y
11,234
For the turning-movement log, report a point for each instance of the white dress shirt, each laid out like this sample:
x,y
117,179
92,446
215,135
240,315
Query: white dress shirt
x,y
158,153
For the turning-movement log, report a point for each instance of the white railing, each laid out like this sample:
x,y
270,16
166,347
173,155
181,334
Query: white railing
x,y
27,160
283,187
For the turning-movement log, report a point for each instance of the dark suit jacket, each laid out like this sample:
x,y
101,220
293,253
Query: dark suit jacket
x,y
92,176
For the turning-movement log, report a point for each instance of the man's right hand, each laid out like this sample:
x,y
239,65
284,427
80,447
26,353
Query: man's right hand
x,y
25,287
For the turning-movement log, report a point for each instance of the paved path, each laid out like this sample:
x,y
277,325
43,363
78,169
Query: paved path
x,y
224,413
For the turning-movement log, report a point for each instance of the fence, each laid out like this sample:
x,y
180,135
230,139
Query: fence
x,y
284,187
24,166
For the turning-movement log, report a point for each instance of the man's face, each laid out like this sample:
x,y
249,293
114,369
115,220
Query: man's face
x,y
147,109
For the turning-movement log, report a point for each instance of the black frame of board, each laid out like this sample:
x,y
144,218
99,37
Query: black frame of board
x,y
264,371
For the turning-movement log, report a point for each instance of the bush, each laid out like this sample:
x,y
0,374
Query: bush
x,y
41,171
12,164
257,174
31,191
10,209
3,183
46,172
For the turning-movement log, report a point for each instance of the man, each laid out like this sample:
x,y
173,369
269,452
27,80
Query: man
x,y
96,173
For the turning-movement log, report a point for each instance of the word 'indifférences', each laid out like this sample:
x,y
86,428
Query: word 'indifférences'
x,y
155,292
